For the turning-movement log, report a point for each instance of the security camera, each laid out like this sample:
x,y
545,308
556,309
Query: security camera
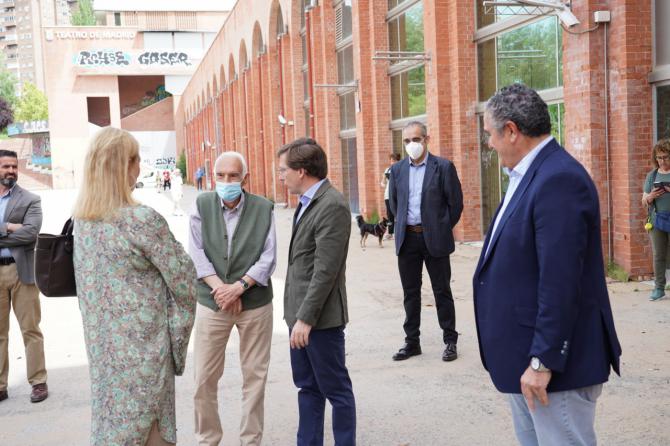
x,y
567,18
282,120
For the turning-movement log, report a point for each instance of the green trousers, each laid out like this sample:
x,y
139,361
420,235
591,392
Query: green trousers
x,y
660,243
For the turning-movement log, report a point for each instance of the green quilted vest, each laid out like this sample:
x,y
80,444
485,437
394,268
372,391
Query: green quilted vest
x,y
245,250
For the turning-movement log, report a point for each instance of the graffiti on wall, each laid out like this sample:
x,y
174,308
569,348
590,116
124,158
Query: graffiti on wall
x,y
163,58
118,58
102,58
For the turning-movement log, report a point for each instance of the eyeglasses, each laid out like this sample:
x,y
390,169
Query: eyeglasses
x,y
415,139
662,158
282,170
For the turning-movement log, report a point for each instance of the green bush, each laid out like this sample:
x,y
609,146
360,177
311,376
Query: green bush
x,y
181,165
617,273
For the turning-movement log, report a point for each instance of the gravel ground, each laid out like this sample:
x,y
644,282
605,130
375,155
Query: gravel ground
x,y
419,402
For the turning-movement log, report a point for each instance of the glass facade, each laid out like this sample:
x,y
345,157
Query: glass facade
x,y
345,65
408,93
532,55
663,112
406,30
662,40
348,111
350,173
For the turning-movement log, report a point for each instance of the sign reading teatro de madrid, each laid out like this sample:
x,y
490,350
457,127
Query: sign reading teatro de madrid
x,y
51,34
118,58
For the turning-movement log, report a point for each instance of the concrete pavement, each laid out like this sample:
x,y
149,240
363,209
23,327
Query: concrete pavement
x,y
419,402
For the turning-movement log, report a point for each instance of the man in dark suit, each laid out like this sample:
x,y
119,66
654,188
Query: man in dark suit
x,y
544,321
21,213
426,198
315,296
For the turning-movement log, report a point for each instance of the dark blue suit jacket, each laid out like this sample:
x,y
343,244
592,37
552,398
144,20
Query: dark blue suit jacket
x,y
541,289
441,203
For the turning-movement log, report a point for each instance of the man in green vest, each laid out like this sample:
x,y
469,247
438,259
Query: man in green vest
x,y
315,295
233,246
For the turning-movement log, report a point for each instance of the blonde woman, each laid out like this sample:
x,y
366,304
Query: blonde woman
x,y
136,289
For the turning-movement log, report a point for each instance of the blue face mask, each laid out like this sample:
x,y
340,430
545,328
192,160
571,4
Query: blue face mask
x,y
228,191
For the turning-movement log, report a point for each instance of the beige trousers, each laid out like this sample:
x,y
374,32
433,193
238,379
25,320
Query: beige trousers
x,y
25,301
212,330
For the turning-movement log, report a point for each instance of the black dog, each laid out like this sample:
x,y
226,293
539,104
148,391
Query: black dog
x,y
377,230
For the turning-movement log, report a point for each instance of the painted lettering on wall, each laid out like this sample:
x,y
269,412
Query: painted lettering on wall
x,y
50,35
102,58
163,58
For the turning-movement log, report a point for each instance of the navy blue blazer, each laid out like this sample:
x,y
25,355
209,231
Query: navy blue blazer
x,y
441,203
541,289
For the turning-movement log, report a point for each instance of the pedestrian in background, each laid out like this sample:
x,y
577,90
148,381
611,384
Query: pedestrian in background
x,y
167,181
199,174
176,191
21,213
315,295
234,247
657,201
544,323
393,158
136,288
426,198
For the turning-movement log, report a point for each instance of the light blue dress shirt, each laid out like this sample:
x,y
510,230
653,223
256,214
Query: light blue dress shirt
x,y
416,174
515,176
5,252
306,198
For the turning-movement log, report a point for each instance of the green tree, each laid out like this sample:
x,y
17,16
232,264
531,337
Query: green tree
x,y
84,15
7,83
32,105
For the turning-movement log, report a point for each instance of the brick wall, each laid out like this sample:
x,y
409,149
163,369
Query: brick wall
x,y
250,101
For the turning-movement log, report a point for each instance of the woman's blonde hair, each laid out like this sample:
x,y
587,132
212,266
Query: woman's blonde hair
x,y
105,187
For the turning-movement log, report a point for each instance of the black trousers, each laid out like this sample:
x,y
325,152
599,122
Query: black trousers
x,y
390,216
412,256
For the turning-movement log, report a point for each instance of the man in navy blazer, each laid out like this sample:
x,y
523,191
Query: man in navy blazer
x,y
543,315
426,198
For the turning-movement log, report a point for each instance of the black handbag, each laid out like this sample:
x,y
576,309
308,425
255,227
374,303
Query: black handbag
x,y
54,269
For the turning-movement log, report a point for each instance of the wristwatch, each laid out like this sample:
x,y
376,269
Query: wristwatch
x,y
244,283
537,365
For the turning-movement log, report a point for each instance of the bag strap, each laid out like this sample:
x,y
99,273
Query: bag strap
x,y
653,180
68,227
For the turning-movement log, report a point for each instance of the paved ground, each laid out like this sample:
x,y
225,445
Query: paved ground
x,y
419,402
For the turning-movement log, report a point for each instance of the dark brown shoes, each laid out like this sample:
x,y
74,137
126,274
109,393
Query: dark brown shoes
x,y
3,395
40,393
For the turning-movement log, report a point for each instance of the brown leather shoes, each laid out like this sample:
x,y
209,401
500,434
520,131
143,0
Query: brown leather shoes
x,y
3,395
40,393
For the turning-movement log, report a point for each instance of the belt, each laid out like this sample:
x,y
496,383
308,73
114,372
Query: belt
x,y
7,261
418,228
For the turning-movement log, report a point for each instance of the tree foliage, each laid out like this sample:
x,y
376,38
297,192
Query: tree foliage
x,y
84,15
6,115
7,83
32,105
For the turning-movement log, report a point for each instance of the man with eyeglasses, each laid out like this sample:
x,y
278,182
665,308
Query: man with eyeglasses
x,y
426,198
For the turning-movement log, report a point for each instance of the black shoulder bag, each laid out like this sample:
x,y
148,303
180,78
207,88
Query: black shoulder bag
x,y
54,268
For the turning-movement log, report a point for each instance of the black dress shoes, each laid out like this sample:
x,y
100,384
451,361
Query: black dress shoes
x,y
407,351
450,352
3,395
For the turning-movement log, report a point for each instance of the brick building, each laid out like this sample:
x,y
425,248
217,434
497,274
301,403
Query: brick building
x,y
128,71
351,73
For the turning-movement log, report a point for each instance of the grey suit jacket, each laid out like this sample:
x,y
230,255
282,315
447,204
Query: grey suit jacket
x,y
24,208
315,290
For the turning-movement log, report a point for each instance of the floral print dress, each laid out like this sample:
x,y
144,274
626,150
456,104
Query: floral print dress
x,y
136,288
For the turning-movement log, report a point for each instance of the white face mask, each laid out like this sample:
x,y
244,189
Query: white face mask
x,y
414,150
